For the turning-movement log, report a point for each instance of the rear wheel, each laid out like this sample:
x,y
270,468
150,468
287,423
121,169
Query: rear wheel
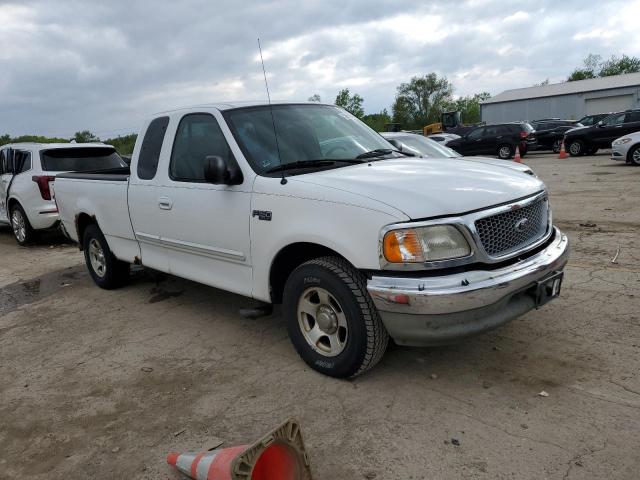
x,y
505,151
557,145
106,270
20,225
331,319
634,156
576,148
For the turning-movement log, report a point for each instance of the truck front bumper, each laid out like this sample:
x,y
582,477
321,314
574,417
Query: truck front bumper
x,y
443,309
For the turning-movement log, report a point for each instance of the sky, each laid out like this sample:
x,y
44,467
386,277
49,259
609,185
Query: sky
x,y
70,65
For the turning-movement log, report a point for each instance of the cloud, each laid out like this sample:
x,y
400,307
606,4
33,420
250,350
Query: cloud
x,y
71,65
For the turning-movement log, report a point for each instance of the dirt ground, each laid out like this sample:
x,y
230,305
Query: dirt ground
x,y
98,384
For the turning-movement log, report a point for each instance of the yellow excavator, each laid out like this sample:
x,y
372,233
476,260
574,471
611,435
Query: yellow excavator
x,y
451,122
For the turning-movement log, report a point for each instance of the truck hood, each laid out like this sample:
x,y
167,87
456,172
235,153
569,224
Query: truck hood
x,y
423,189
520,167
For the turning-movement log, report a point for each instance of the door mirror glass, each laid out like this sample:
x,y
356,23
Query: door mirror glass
x,y
216,170
600,124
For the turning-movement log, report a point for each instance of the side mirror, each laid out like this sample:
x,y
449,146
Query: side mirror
x,y
218,172
395,143
600,124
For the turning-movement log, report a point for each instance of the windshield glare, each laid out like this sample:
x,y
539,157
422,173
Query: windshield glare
x,y
305,133
426,147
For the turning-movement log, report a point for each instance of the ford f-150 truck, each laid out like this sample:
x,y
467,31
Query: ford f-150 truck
x,y
304,205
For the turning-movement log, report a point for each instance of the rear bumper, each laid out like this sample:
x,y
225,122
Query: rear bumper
x,y
440,310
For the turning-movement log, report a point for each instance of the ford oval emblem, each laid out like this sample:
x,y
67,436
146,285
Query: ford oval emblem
x,y
521,225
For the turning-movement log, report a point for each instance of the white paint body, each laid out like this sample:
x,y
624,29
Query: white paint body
x,y
621,146
208,233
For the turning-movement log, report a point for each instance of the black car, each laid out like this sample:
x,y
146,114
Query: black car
x,y
589,120
549,133
587,140
500,139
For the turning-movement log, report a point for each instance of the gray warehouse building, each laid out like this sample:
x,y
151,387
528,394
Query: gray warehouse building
x,y
569,100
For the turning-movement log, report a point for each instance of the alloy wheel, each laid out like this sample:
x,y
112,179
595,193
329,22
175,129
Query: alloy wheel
x,y
322,321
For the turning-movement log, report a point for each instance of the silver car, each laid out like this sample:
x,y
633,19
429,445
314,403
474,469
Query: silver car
x,y
443,138
428,148
627,149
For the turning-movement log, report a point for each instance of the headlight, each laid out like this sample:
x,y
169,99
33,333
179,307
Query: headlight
x,y
622,141
425,244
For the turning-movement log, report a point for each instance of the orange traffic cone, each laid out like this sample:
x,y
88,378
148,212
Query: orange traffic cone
x,y
279,455
563,152
517,157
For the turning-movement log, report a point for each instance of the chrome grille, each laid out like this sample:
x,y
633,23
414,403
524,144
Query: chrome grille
x,y
510,231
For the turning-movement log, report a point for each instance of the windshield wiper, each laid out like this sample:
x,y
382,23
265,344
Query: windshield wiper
x,y
311,164
378,152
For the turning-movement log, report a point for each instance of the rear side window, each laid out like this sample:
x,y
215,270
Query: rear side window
x,y
80,159
633,117
198,136
151,146
25,158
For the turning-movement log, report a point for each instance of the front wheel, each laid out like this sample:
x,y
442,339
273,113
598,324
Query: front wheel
x,y
106,270
331,319
505,152
634,156
576,148
20,225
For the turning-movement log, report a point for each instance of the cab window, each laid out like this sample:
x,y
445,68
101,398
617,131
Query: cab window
x,y
616,119
476,134
198,136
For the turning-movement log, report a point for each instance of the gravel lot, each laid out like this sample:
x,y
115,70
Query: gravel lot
x,y
99,384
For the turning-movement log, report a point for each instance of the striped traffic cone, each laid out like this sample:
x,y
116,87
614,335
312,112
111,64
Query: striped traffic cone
x,y
517,157
279,455
563,152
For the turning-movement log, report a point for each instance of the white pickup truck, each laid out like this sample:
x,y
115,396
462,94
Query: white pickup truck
x,y
304,205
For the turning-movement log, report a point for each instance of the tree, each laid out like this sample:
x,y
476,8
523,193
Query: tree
x,y
588,70
314,98
542,83
594,66
85,136
619,66
421,101
351,103
123,144
469,106
377,121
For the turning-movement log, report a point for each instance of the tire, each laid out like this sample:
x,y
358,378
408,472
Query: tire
x,y
22,230
340,308
106,270
576,148
505,151
633,157
557,145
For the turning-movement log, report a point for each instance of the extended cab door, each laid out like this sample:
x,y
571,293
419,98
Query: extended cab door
x,y
204,227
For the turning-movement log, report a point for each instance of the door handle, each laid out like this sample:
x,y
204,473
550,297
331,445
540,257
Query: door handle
x,y
165,203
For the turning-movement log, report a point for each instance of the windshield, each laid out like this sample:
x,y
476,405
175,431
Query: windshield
x,y
425,146
306,133
80,159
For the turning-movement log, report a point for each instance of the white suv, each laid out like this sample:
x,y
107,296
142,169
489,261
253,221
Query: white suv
x,y
27,169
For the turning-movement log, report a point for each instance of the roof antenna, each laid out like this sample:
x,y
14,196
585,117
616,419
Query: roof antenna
x,y
283,180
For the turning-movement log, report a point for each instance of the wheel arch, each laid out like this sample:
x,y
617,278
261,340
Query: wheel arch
x,y
83,220
289,258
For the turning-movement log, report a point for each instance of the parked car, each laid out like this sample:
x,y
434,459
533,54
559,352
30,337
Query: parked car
x,y
549,133
587,140
443,138
26,172
425,147
627,149
500,139
357,241
589,120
